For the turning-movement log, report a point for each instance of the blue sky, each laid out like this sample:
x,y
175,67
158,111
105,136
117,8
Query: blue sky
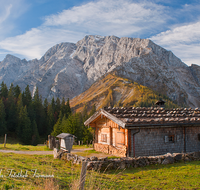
x,y
28,28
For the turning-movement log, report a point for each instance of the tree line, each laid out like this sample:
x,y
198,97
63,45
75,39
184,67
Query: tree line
x,y
30,119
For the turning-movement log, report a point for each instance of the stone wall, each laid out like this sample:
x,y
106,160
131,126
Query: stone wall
x,y
155,141
109,149
126,162
192,141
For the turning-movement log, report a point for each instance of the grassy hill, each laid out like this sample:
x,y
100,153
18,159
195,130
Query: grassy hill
x,y
112,90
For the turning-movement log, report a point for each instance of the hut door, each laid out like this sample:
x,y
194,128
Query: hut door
x,y
111,143
62,143
120,139
133,145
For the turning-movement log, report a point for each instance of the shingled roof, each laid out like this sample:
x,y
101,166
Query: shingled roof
x,y
138,116
64,135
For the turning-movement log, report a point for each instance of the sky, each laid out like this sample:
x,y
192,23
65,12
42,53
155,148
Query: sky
x,y
28,28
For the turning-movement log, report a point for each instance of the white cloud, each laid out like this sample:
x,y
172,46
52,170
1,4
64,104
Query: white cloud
x,y
103,17
113,17
5,13
184,41
9,12
34,43
119,17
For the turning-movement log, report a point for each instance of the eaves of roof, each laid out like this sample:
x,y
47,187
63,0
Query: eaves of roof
x,y
106,114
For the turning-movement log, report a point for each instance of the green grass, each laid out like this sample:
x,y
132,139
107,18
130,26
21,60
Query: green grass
x,y
173,176
88,153
82,146
113,157
63,172
14,144
23,147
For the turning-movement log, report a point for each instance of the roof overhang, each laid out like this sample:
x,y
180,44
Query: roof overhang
x,y
106,114
64,135
132,126
124,124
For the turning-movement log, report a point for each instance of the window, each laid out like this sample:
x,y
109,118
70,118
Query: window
x,y
199,137
103,137
169,138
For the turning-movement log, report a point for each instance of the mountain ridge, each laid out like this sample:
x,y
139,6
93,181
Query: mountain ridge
x,y
68,69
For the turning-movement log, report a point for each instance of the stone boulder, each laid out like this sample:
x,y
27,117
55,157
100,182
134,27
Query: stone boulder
x,y
168,160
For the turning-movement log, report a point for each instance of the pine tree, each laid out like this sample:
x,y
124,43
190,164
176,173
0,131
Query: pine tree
x,y
58,105
19,103
45,107
72,125
50,119
68,109
17,91
4,90
53,105
57,129
26,97
3,128
24,126
27,101
11,111
62,107
87,134
65,108
38,112
35,134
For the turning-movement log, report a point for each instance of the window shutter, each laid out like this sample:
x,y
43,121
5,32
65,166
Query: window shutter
x,y
166,139
178,138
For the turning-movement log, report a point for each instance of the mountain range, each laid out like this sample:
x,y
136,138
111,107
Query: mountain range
x,y
68,69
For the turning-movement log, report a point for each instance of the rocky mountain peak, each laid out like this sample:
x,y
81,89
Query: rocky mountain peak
x,y
69,69
11,59
58,50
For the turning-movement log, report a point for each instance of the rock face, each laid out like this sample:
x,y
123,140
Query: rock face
x,y
69,69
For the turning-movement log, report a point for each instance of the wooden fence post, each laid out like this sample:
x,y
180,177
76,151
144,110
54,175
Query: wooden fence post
x,y
83,175
5,140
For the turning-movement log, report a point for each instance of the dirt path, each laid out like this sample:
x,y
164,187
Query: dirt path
x,y
40,152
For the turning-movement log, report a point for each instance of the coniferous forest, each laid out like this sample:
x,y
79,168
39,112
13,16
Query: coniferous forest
x,y
31,120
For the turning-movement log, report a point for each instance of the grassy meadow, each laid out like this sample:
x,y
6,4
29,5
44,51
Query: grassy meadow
x,y
14,144
44,172
20,147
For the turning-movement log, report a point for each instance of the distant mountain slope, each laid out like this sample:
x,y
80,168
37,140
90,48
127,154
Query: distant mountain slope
x,y
69,69
112,90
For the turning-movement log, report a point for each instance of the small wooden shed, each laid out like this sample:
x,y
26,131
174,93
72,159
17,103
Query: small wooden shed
x,y
66,141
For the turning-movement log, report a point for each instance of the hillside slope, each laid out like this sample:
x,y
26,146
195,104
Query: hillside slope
x,y
112,90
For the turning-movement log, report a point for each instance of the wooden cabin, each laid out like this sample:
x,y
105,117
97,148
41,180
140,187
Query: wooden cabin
x,y
145,131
